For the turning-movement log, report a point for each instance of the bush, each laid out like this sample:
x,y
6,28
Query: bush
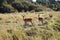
x,y
26,6
8,6
18,6
6,9
1,1
10,1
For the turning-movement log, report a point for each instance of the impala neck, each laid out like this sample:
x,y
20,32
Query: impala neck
x,y
23,17
38,15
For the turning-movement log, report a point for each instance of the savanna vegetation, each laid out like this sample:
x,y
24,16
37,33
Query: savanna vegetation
x,y
53,4
17,17
9,6
12,26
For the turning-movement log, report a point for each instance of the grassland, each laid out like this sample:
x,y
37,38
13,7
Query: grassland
x,y
12,26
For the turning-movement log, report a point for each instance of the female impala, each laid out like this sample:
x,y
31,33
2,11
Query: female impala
x,y
27,20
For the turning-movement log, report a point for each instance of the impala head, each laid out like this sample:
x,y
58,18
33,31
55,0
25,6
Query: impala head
x,y
50,15
23,16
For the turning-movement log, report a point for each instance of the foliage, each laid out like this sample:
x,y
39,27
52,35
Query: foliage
x,y
18,5
26,6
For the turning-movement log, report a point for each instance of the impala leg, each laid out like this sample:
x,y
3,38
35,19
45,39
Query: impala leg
x,y
32,23
39,23
42,21
25,24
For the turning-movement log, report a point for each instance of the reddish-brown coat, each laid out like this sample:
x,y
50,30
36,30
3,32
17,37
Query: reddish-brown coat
x,y
27,19
40,18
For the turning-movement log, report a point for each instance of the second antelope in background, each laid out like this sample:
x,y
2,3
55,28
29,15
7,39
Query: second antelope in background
x,y
41,18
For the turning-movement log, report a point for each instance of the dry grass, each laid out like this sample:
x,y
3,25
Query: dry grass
x,y
11,27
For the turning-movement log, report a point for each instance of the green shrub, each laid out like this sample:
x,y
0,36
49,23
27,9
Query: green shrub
x,y
7,9
26,6
10,1
18,5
